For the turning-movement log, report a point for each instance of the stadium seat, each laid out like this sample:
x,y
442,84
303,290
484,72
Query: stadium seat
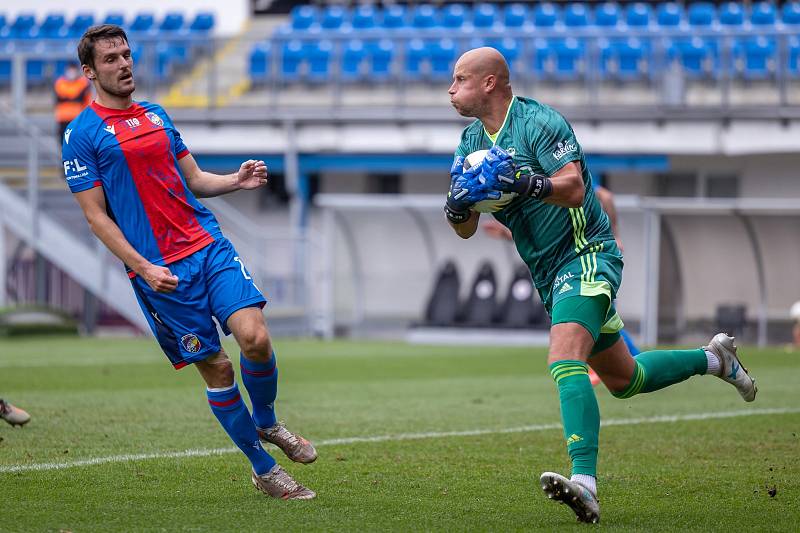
x,y
568,54
702,14
790,13
364,17
624,60
164,62
5,72
173,22
607,15
52,27
394,17
485,15
442,56
546,15
415,58
515,15
763,14
423,16
23,27
443,303
759,54
303,17
731,14
81,23
669,15
319,61
576,15
638,15
453,15
143,23
353,57
260,62
693,55
509,47
521,307
115,18
333,17
292,57
381,57
203,23
480,309
541,60
35,72
793,57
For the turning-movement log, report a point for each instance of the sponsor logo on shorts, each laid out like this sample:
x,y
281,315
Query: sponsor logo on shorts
x,y
564,147
565,288
562,278
191,343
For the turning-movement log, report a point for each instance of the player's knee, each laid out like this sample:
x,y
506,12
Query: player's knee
x,y
257,346
219,373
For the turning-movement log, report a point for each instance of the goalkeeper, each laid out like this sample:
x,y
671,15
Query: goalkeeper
x,y
564,237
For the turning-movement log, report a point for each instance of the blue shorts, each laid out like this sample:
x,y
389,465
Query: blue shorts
x,y
212,283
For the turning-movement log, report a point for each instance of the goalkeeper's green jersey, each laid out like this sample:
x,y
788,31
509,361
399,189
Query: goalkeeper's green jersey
x,y
541,141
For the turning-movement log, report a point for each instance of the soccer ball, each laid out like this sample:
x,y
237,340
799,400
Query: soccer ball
x,y
487,206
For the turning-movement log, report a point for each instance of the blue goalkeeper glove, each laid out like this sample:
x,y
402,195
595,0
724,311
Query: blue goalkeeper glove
x,y
467,187
499,172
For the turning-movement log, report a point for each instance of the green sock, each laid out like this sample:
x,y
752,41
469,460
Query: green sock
x,y
657,369
579,414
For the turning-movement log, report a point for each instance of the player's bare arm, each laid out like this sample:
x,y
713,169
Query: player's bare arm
x,y
467,229
251,175
568,187
93,204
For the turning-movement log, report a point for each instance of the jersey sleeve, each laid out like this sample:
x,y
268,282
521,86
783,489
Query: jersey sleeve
x,y
80,162
555,144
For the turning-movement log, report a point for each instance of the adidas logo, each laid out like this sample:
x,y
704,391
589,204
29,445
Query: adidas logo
x,y
573,439
564,288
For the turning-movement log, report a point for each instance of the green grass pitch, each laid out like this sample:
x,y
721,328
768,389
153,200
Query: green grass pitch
x,y
95,399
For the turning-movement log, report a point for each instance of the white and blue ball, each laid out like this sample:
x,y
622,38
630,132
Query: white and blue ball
x,y
487,206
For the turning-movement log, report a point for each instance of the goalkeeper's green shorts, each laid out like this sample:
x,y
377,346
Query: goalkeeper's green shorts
x,y
584,290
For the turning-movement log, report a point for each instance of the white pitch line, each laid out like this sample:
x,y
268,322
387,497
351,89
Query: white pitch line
x,y
399,437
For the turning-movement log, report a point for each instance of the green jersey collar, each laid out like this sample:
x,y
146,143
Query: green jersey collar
x,y
494,137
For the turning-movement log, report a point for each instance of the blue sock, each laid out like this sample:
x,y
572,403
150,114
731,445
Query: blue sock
x,y
230,410
261,382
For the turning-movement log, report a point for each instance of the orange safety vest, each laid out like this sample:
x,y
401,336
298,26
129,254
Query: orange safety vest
x,y
71,97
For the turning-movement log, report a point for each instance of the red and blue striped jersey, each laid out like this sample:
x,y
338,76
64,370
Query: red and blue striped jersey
x,y
133,154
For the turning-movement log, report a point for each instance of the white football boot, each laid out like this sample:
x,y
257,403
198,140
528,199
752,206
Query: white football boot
x,y
293,445
732,369
572,494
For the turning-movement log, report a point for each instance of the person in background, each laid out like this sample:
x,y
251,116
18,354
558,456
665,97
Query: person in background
x,y
13,415
73,93
794,313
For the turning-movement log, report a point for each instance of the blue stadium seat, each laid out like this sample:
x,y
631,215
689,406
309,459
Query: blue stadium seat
x,y
731,14
693,55
364,17
319,61
607,15
5,72
546,15
416,56
23,27
758,57
423,16
52,27
353,58
515,15
576,15
541,64
454,15
793,57
143,23
702,14
670,15
624,59
763,14
35,72
81,23
333,17
260,62
394,17
443,54
203,22
292,57
173,22
485,15
639,15
117,18
381,57
568,55
303,17
790,13
164,61
510,48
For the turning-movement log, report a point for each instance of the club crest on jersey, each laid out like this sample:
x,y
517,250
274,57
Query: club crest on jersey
x,y
155,119
191,343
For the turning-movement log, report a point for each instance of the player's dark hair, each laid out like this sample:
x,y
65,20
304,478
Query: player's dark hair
x,y
94,34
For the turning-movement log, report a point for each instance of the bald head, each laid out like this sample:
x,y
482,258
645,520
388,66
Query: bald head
x,y
480,83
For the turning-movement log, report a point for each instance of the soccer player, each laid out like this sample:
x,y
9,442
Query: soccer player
x,y
564,237
138,185
13,415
